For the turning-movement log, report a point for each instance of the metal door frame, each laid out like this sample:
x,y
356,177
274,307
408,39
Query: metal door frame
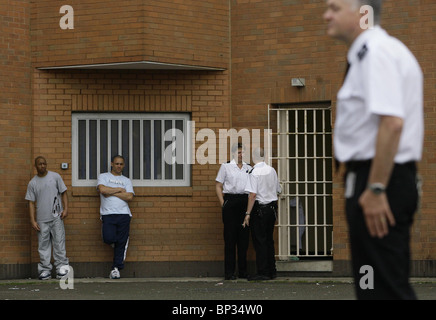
x,y
310,231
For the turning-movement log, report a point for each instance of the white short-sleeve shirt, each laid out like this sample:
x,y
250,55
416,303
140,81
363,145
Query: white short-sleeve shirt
x,y
233,178
384,79
263,181
112,204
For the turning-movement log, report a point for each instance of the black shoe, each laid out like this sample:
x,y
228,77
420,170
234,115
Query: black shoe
x,y
259,277
232,277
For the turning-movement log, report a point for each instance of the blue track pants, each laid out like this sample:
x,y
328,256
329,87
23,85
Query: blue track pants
x,y
115,231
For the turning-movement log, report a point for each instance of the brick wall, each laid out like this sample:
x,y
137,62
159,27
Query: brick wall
x,y
182,32
274,41
270,43
169,224
15,139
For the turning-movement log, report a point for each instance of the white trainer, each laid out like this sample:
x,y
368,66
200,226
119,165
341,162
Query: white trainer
x,y
45,275
115,273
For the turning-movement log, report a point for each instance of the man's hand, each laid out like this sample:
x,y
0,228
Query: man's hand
x,y
64,214
35,225
377,213
250,205
246,222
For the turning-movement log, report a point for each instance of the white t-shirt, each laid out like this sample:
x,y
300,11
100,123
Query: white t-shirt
x,y
263,181
113,204
233,178
384,79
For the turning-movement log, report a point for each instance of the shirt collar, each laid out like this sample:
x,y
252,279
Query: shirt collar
x,y
259,164
235,163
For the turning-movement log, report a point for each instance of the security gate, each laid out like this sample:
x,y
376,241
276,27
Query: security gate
x,y
301,138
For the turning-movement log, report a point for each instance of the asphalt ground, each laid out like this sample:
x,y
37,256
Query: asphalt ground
x,y
192,298
178,289
191,289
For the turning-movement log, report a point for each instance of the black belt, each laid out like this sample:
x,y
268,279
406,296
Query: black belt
x,y
229,196
269,204
265,208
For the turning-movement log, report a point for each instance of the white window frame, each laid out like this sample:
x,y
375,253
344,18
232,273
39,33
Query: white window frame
x,y
120,117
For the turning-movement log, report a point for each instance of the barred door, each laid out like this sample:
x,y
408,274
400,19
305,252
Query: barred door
x,y
301,137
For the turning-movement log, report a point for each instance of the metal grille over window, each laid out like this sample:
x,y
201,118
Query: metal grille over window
x,y
302,152
154,146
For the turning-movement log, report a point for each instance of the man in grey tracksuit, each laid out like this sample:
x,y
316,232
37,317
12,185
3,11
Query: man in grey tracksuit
x,y
48,206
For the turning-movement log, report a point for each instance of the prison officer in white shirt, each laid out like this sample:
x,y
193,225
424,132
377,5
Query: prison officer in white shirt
x,y
378,134
230,189
263,186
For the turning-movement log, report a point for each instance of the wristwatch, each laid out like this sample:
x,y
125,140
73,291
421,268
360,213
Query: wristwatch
x,y
377,188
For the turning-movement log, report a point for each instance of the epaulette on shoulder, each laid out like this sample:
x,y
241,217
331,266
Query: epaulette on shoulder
x,y
362,52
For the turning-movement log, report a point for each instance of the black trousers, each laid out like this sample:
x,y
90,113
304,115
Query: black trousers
x,y
236,238
262,223
386,260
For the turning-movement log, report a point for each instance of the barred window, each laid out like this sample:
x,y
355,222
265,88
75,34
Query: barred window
x,y
154,146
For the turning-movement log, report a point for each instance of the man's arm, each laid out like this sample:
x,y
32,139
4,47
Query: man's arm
x,y
64,213
250,204
124,195
32,215
116,192
109,191
376,207
219,192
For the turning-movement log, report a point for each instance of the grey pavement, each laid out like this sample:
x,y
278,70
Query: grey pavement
x,y
211,289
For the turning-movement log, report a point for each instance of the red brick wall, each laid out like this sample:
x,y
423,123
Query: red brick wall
x,y
268,42
169,224
275,41
182,32
15,133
